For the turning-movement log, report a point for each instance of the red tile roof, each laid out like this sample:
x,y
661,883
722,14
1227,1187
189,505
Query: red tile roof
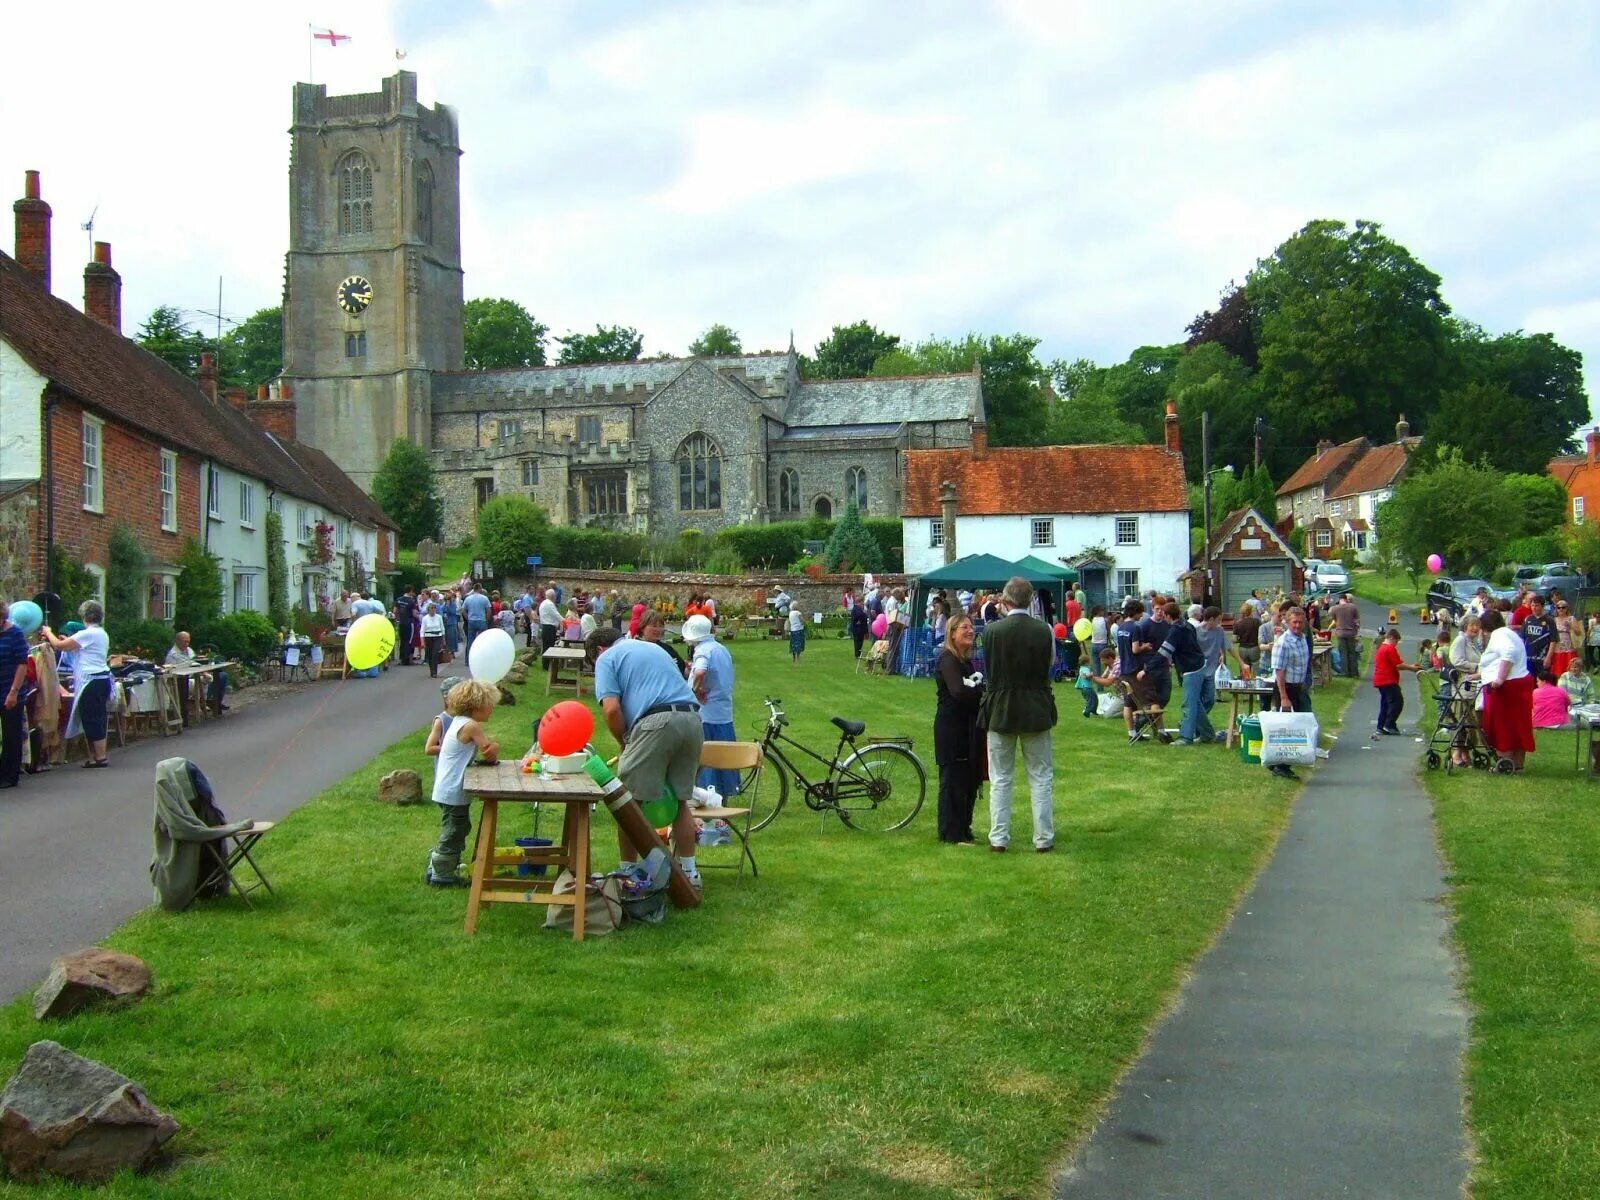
x,y
116,376
1379,467
1029,480
1319,467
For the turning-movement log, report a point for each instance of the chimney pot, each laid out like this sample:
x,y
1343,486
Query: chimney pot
x,y
980,441
237,397
32,247
206,376
1402,429
1174,443
261,392
102,289
1594,444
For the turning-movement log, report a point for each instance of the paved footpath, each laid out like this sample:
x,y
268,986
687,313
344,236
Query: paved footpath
x,y
75,844
1316,1050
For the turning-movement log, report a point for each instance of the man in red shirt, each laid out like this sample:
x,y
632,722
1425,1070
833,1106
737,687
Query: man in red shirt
x,y
1072,610
1520,612
1386,668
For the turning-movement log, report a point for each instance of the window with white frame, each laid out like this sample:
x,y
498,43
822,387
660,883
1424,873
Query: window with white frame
x,y
93,472
244,592
213,493
1324,538
936,532
1127,531
169,491
222,588
247,503
1042,531
1577,510
1127,581
304,524
99,574
166,595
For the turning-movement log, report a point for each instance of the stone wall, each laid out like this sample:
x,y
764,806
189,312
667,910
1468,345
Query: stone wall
x,y
813,595
21,573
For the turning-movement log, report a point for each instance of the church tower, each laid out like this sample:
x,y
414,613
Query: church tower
x,y
373,287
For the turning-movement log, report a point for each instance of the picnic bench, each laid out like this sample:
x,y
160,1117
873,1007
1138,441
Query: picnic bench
x,y
1251,692
172,710
565,665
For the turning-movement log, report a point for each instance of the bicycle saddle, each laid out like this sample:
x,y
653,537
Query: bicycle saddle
x,y
852,728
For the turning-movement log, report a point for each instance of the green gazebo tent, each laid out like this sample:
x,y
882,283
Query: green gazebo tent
x,y
986,571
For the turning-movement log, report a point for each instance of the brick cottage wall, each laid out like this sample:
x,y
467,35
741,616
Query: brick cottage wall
x,y
729,591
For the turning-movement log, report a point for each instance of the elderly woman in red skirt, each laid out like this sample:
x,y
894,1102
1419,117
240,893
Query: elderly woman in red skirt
x,y
1508,691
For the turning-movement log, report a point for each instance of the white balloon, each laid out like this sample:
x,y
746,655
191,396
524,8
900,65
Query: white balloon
x,y
491,655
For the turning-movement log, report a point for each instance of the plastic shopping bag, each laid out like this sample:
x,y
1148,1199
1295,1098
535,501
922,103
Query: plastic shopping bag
x,y
1288,739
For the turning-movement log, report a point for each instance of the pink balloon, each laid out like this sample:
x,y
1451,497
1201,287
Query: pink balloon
x,y
1435,563
880,625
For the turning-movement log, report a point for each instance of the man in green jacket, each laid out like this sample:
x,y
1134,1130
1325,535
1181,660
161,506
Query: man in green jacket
x,y
1019,709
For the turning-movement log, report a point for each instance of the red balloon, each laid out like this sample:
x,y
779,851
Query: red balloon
x,y
1061,631
565,728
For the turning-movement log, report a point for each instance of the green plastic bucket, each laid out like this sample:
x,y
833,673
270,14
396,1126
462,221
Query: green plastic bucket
x,y
1250,740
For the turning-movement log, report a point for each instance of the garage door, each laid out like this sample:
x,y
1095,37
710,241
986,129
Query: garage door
x,y
1265,575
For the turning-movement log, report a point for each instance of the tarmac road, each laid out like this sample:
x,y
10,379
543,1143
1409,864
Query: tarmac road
x,y
75,849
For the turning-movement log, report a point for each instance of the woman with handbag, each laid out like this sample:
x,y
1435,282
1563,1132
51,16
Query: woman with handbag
x,y
432,636
959,745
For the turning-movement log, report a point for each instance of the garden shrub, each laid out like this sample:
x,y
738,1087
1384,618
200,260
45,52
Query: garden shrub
x,y
765,546
1532,551
145,639
127,576
852,548
74,582
199,599
246,636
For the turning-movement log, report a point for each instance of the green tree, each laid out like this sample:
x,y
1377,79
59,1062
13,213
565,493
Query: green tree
x,y
1462,511
608,343
252,351
718,340
199,599
72,581
1351,330
851,546
849,352
1580,546
166,335
406,489
277,573
1232,326
1520,399
510,529
1138,388
1207,378
1264,493
501,333
1014,395
1085,412
1543,500
127,575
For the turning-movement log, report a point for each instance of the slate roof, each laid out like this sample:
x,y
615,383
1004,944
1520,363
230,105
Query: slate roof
x,y
115,376
905,398
1319,467
1041,480
1378,468
651,373
816,433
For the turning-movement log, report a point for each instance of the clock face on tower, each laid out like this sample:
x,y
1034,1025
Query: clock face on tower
x,y
354,294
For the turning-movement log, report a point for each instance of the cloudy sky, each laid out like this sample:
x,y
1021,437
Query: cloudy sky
x,y
1090,173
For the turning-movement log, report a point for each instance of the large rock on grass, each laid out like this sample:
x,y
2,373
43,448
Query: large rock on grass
x,y
528,657
518,674
507,696
68,1116
87,977
400,788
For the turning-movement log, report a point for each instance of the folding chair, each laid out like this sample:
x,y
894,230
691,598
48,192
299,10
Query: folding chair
x,y
733,756
1144,716
197,852
232,855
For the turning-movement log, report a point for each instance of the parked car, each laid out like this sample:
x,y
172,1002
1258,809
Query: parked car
x,y
1327,576
1550,575
1453,595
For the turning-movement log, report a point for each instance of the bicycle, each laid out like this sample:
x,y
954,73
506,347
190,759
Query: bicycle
x,y
877,787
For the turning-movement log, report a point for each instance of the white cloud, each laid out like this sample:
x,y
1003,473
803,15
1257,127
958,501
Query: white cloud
x,y
1088,173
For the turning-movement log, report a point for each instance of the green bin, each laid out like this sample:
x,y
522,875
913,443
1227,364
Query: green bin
x,y
1250,740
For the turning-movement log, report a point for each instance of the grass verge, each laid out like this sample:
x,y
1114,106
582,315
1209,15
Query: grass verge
x,y
1386,589
1524,860
879,1017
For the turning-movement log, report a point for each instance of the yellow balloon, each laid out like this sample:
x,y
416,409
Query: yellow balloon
x,y
1083,629
369,642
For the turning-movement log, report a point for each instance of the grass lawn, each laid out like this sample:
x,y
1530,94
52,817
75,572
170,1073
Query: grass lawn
x,y
453,563
1524,860
1386,589
876,1016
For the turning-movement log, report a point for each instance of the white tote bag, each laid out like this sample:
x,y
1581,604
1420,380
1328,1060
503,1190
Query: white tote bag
x,y
1288,739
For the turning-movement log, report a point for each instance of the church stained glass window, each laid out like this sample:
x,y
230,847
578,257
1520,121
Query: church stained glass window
x,y
788,490
855,488
355,193
699,474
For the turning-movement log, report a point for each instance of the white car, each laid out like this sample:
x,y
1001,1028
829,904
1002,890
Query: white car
x,y
1327,576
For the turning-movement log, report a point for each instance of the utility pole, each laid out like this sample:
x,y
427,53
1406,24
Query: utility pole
x,y
1205,469
1261,433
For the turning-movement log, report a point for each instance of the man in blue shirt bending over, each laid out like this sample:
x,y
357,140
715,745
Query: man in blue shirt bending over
x,y
476,608
653,715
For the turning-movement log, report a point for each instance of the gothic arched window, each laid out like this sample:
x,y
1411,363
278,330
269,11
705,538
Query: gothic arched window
x,y
425,203
789,490
355,193
855,488
699,474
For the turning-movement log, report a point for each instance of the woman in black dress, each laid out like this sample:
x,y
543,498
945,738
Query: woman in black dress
x,y
959,746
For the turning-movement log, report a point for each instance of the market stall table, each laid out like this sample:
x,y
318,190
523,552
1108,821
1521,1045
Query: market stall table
x,y
565,665
1251,691
175,694
1322,663
505,783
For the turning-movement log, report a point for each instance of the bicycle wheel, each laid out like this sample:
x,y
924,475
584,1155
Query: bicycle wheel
x,y
879,788
764,790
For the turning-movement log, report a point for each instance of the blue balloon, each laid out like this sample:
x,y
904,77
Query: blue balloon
x,y
27,616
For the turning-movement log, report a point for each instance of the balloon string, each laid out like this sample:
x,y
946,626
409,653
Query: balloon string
x,y
294,737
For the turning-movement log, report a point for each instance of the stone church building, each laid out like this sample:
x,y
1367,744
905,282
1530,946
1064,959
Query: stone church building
x,y
372,319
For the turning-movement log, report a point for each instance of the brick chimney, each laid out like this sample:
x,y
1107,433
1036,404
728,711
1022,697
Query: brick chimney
x,y
947,510
980,441
206,376
102,289
1323,447
274,413
1171,422
237,397
1593,439
1402,429
33,231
